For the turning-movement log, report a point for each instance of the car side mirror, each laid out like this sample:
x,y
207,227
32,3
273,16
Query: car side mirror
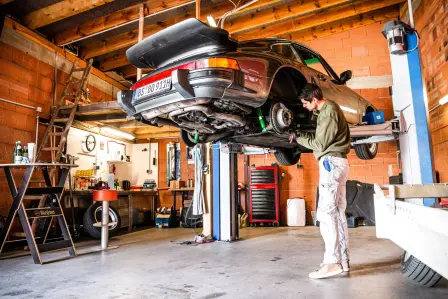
x,y
345,76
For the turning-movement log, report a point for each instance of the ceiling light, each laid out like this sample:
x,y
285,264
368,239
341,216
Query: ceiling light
x,y
443,100
117,133
350,110
211,21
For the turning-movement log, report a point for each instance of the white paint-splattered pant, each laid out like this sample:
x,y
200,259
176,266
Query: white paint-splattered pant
x,y
333,176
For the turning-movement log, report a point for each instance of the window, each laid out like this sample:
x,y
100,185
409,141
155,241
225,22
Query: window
x,y
284,50
311,60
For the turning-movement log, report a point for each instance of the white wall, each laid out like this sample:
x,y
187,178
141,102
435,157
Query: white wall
x,y
74,147
140,163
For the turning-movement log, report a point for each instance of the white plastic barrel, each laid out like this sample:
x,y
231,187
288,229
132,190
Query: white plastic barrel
x,y
296,212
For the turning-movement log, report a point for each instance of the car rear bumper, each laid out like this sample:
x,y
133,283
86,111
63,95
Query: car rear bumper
x,y
189,88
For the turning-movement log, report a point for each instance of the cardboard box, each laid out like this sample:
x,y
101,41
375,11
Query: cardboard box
x,y
177,184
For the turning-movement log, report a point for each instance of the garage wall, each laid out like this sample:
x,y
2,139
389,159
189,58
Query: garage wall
x,y
431,20
27,80
364,51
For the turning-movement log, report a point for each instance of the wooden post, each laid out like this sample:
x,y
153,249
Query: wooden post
x,y
198,9
141,23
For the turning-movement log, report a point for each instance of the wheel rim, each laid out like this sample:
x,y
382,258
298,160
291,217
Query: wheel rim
x,y
281,117
113,217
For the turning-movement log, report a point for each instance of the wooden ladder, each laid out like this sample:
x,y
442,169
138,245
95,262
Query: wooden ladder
x,y
63,114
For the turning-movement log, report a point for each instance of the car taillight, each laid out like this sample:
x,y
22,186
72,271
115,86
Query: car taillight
x,y
215,62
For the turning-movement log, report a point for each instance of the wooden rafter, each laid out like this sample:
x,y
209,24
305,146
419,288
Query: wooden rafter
x,y
52,47
114,19
59,11
380,15
113,62
3,2
130,38
278,13
317,19
130,71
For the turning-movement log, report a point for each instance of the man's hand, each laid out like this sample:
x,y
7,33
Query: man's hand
x,y
293,136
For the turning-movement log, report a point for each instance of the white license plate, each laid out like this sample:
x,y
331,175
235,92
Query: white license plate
x,y
156,87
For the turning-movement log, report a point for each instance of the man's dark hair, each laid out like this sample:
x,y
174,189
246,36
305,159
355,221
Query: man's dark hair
x,y
311,91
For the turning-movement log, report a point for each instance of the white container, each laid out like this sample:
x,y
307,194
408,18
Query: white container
x,y
296,212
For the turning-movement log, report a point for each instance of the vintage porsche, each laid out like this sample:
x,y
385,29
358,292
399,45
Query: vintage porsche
x,y
215,88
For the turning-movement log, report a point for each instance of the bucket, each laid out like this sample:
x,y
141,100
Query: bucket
x,y
296,213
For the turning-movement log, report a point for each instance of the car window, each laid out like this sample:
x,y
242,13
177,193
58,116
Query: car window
x,y
311,60
284,50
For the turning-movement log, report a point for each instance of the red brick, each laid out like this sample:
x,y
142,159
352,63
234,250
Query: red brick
x,y
375,180
380,170
45,83
19,90
361,71
384,92
363,170
6,51
27,61
46,70
360,51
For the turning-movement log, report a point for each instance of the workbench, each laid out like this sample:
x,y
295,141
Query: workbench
x,y
87,197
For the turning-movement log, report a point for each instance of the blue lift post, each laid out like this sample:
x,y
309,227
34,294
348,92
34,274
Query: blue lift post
x,y
408,100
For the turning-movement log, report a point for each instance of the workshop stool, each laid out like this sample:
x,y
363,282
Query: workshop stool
x,y
105,196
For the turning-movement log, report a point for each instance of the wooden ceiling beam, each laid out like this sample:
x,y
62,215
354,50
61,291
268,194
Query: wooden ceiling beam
x,y
115,19
114,62
3,2
278,13
371,17
130,38
316,19
130,71
158,135
59,11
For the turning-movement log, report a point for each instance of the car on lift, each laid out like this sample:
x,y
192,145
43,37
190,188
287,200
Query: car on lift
x,y
215,88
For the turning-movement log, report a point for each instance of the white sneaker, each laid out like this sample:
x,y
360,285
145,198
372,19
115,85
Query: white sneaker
x,y
326,270
345,266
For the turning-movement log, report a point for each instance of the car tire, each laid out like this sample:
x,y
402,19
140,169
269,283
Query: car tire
x,y
286,156
90,219
366,151
419,273
185,136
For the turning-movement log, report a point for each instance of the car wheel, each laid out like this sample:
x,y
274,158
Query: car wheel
x,y
418,272
187,138
366,151
280,118
94,215
287,156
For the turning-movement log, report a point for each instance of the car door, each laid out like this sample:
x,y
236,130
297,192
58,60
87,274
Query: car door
x,y
323,76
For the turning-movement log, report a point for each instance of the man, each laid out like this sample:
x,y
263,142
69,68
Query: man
x,y
330,145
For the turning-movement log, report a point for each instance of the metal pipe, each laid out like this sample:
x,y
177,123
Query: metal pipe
x,y
105,225
224,17
39,109
411,13
124,24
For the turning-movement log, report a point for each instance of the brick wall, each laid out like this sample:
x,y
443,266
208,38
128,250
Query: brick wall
x,y
364,51
431,20
24,79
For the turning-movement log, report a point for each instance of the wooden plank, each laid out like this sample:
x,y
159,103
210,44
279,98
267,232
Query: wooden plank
x,y
130,71
141,24
59,11
384,14
3,2
130,38
198,9
158,135
114,19
114,62
9,23
316,19
278,13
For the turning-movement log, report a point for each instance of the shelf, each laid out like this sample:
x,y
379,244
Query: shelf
x,y
119,162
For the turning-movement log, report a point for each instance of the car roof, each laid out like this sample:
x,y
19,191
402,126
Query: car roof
x,y
274,40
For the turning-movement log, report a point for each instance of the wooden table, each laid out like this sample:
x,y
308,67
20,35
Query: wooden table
x,y
182,192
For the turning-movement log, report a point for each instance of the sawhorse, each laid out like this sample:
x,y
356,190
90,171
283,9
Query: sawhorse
x,y
49,207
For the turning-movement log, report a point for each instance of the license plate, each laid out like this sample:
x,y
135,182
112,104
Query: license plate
x,y
156,87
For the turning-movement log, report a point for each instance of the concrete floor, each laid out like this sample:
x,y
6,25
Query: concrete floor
x,y
267,263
